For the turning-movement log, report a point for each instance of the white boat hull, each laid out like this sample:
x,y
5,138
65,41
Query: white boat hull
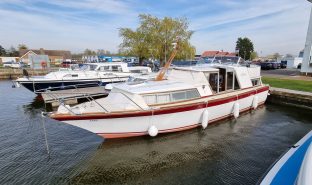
x,y
168,120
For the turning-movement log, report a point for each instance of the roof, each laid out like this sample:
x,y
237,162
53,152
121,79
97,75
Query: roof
x,y
217,53
209,53
201,68
63,53
154,86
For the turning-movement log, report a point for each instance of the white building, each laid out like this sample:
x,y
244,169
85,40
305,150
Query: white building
x,y
291,62
307,62
8,59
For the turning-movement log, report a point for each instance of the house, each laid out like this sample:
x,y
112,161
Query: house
x,y
8,59
291,61
55,56
220,56
210,54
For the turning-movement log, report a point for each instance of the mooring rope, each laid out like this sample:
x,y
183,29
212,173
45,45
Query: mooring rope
x,y
45,133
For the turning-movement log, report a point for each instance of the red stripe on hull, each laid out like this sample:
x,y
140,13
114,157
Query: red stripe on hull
x,y
167,110
135,134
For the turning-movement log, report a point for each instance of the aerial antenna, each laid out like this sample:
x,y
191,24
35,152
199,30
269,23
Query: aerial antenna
x,y
163,71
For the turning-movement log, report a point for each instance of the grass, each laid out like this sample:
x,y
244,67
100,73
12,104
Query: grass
x,y
299,85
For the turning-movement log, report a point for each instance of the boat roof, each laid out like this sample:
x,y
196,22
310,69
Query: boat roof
x,y
197,68
153,86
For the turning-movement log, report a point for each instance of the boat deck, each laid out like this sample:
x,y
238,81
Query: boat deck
x,y
72,96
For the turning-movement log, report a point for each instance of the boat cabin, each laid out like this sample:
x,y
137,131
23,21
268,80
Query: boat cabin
x,y
182,84
107,66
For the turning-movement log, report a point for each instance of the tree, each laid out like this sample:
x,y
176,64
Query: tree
x,y
103,52
89,52
2,51
12,52
154,38
253,55
276,56
245,47
22,46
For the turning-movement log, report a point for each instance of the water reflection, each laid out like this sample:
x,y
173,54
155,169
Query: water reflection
x,y
226,152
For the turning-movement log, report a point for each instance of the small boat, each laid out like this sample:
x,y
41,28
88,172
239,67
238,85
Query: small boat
x,y
294,167
177,99
88,75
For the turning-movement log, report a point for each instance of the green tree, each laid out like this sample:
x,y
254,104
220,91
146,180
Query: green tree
x,y
245,47
89,52
154,38
103,52
22,46
2,51
12,52
253,55
275,56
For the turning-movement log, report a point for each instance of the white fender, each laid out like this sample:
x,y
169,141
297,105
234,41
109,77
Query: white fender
x,y
236,110
205,120
255,102
153,131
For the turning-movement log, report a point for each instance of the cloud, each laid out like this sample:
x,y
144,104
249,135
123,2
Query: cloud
x,y
280,28
273,26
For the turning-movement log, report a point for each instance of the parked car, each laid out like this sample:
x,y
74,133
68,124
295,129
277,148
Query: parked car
x,y
12,64
274,65
279,65
266,65
283,64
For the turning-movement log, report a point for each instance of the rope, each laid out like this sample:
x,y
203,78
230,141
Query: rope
x,y
45,133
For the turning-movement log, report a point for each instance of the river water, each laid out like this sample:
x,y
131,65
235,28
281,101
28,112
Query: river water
x,y
231,152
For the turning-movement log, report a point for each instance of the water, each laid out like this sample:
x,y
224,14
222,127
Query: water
x,y
231,152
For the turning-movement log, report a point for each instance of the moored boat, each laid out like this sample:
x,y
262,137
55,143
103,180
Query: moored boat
x,y
186,98
89,75
294,167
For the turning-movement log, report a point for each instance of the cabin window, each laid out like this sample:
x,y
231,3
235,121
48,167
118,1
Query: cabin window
x,y
93,67
192,94
74,75
116,68
178,96
236,85
255,82
213,81
230,81
104,68
171,97
163,98
150,99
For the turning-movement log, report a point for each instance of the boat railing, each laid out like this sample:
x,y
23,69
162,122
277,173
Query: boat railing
x,y
60,100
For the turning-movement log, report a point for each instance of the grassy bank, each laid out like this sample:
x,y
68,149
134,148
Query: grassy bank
x,y
299,85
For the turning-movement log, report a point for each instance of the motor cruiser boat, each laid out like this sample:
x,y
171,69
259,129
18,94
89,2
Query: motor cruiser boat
x,y
188,97
177,99
88,75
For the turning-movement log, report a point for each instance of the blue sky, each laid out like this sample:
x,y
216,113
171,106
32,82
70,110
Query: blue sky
x,y
273,25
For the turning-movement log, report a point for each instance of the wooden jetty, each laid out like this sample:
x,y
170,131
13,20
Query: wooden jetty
x,y
73,96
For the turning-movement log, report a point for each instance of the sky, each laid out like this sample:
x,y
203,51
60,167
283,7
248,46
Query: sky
x,y
272,25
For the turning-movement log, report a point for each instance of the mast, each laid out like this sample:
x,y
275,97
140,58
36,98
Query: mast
x,y
163,71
